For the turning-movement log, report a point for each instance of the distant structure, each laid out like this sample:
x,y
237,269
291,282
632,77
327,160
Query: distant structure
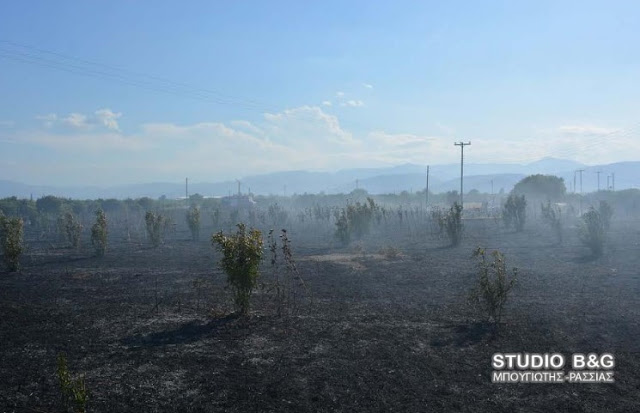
x,y
476,208
239,201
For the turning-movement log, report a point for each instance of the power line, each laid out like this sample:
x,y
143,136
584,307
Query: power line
x,y
40,57
120,72
59,61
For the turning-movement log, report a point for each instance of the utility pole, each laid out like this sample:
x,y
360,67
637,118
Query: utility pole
x,y
613,181
580,171
461,145
598,172
608,183
238,181
186,188
426,201
574,182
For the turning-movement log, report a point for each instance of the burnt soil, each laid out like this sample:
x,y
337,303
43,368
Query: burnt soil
x,y
154,329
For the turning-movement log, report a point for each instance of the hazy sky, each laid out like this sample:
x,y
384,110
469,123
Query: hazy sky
x,y
98,92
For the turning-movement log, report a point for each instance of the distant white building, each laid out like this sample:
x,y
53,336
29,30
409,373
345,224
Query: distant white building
x,y
239,201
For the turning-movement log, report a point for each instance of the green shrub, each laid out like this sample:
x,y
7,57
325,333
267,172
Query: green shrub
x,y
74,392
343,230
99,233
193,220
71,228
242,253
437,221
606,213
156,226
360,217
514,212
355,220
277,215
453,224
593,232
11,241
494,284
553,217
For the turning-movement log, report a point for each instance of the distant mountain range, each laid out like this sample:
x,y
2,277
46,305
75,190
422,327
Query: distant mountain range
x,y
408,177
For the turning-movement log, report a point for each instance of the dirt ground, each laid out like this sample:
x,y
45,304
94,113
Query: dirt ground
x,y
153,330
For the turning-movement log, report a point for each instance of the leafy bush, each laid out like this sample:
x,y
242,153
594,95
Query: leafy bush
x,y
494,284
71,228
74,392
343,230
606,213
514,212
242,253
156,226
360,217
592,231
436,219
277,215
355,220
193,220
99,233
453,224
541,187
553,216
11,241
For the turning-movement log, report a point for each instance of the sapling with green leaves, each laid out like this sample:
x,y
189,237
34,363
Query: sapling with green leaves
x,y
241,257
11,240
99,232
494,284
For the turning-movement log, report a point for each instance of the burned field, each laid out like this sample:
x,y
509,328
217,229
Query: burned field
x,y
385,324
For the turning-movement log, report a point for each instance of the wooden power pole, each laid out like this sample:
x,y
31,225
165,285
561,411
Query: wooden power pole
x,y
461,145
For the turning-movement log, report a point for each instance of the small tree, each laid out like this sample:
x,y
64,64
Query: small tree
x,y
606,213
215,217
11,241
360,217
452,221
592,231
493,285
277,215
286,285
74,392
193,220
356,220
514,212
99,233
156,225
343,231
553,217
72,229
242,253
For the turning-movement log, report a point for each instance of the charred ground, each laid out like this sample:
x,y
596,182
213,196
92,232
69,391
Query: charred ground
x,y
153,329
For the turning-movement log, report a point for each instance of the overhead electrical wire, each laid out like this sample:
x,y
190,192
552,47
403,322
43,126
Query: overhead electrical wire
x,y
36,56
59,61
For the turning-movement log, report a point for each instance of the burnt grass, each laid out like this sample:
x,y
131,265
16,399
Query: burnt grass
x,y
154,329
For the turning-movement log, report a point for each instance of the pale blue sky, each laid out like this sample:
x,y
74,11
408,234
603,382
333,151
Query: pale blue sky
x,y
215,90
